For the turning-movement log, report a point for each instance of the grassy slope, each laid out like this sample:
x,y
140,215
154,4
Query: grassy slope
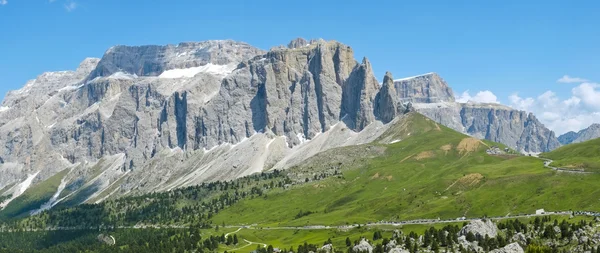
x,y
33,197
585,155
420,177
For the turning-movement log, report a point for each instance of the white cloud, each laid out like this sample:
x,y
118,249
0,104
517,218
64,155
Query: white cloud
x,y
562,115
485,96
3,2
589,94
568,79
70,6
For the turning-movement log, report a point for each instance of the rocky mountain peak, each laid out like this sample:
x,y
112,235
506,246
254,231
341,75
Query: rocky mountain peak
x,y
88,65
388,79
301,42
153,60
425,88
296,43
387,106
358,96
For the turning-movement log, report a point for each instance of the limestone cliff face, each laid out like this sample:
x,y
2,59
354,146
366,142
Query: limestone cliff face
x,y
386,102
152,118
516,129
427,88
206,111
358,96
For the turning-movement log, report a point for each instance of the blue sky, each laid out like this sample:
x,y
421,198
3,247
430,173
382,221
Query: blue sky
x,y
514,51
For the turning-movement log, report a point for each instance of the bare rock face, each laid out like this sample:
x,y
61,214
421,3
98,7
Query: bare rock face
x,y
481,228
363,246
358,96
471,246
327,248
386,102
153,118
295,93
297,43
398,250
427,88
590,133
511,248
154,60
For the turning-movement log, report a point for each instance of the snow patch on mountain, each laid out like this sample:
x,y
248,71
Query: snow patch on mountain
x,y
69,88
412,77
123,75
218,70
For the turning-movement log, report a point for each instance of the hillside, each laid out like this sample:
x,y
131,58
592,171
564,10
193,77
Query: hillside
x,y
432,173
577,156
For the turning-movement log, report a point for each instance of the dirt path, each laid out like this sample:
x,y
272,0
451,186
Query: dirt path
x,y
227,235
250,243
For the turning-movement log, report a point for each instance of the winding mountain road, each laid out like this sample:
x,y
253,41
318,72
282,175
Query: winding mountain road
x,y
547,163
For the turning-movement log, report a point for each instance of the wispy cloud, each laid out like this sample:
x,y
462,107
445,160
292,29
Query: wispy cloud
x,y
569,79
70,6
3,2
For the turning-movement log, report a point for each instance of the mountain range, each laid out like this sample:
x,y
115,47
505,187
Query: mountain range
x,y
154,118
592,132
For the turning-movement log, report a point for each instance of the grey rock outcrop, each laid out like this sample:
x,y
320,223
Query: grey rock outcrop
x,y
358,96
398,250
481,228
590,133
363,246
386,103
427,88
520,238
511,248
472,246
297,43
390,245
328,248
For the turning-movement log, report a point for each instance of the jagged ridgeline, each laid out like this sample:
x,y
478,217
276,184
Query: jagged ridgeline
x,y
154,118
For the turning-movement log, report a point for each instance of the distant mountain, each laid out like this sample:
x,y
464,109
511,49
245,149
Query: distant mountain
x,y
432,96
592,132
154,118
